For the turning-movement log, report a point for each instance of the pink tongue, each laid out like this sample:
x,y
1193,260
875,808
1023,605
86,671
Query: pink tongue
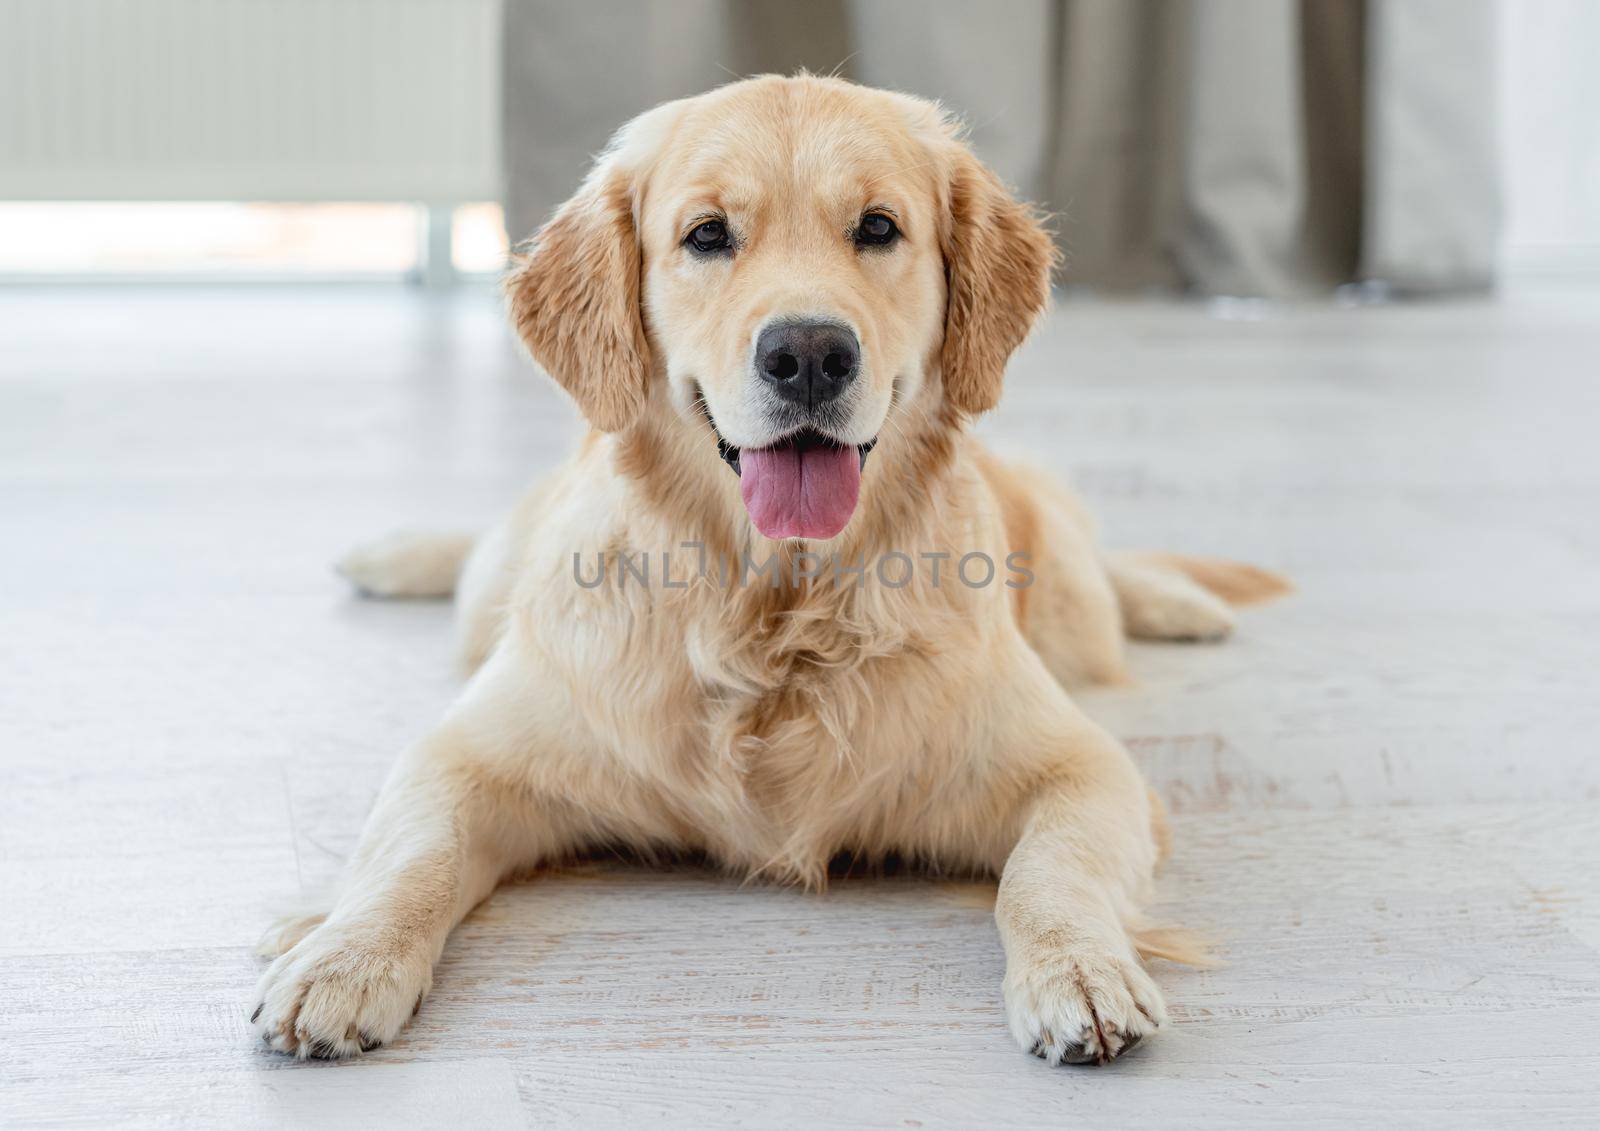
x,y
800,494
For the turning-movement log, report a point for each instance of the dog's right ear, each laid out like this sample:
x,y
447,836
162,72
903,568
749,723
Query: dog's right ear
x,y
573,292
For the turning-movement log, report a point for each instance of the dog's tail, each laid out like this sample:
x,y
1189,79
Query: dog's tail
x,y
1235,582
407,564
1174,944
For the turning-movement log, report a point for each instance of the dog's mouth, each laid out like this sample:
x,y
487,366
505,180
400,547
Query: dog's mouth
x,y
804,486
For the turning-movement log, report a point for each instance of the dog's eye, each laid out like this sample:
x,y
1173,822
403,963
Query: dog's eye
x,y
875,230
709,236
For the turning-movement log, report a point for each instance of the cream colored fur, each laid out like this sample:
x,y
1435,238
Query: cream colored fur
x,y
773,728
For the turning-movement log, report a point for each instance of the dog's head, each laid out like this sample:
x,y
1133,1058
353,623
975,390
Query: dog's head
x,y
796,260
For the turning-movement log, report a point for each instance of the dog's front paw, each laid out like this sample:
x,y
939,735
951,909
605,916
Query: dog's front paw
x,y
1081,1007
338,992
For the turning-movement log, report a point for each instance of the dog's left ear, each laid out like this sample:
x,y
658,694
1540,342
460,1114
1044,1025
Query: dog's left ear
x,y
998,258
573,297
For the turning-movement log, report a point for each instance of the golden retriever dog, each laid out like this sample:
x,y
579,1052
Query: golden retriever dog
x,y
721,629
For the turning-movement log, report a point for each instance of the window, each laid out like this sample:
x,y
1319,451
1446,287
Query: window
x,y
239,240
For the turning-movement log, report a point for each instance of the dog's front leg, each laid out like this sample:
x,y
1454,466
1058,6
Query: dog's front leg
x,y
447,826
1075,990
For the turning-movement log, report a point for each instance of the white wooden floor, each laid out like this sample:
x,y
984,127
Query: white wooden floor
x,y
1386,788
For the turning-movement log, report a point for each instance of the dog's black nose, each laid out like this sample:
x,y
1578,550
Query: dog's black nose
x,y
809,363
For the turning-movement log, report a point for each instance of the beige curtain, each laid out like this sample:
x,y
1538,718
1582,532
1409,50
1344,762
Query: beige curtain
x,y
1239,147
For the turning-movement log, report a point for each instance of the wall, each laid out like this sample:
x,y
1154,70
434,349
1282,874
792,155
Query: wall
x,y
280,100
1550,102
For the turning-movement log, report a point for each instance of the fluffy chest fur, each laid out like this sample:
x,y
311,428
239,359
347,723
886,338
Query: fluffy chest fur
x,y
781,724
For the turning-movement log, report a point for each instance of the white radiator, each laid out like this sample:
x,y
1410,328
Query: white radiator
x,y
282,100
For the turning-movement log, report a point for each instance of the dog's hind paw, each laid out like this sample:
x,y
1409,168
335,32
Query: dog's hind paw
x,y
407,564
1163,605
